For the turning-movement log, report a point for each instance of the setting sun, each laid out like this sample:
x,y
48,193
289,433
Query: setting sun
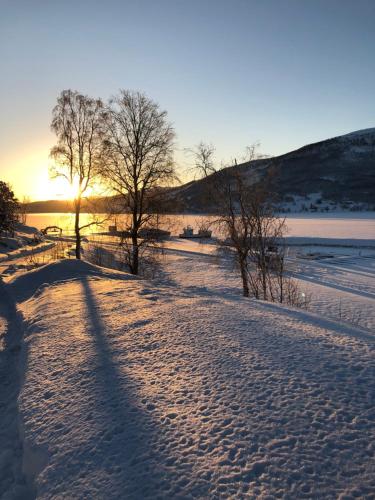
x,y
61,187
58,188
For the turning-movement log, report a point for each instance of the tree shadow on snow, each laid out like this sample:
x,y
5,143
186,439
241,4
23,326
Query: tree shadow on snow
x,y
13,483
320,322
124,445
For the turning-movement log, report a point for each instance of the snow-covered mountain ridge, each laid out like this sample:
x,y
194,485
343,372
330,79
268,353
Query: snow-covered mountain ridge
x,y
337,173
365,132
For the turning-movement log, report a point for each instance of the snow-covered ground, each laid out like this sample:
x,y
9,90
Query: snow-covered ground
x,y
180,388
23,238
22,249
339,288
13,483
342,287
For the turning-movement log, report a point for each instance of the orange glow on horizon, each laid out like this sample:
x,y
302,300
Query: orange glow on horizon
x,y
29,177
27,172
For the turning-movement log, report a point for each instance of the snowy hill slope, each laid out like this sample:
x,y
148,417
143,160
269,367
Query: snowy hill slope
x,y
140,390
338,170
27,284
24,241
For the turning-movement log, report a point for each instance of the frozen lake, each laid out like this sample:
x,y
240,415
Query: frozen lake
x,y
340,225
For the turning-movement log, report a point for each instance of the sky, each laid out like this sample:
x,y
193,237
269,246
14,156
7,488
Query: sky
x,y
284,73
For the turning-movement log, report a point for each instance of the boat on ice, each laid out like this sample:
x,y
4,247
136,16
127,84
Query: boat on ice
x,y
149,233
188,232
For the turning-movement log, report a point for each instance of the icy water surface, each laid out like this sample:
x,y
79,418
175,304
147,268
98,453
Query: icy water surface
x,y
340,225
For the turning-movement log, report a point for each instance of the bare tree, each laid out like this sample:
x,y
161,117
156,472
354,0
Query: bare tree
x,y
139,164
23,209
247,220
252,232
203,155
78,125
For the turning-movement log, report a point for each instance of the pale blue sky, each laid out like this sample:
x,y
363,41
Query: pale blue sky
x,y
282,72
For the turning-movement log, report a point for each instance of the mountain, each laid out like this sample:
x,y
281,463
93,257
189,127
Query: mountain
x,y
337,173
49,206
64,206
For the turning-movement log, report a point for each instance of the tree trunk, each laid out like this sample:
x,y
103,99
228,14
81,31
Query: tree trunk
x,y
264,284
281,280
263,273
135,255
77,206
245,284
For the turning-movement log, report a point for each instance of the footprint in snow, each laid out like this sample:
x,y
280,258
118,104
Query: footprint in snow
x,y
141,322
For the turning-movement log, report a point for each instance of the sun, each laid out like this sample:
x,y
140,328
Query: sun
x,y
57,188
35,182
61,189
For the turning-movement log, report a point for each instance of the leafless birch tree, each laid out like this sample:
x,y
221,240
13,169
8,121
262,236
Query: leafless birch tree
x,y
252,231
78,125
139,164
203,154
247,220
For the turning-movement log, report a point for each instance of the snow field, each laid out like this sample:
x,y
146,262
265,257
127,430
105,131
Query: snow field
x,y
183,389
341,289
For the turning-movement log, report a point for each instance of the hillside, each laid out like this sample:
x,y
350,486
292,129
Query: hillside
x,y
337,173
65,206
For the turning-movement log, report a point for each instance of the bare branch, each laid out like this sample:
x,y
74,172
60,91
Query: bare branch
x,y
77,121
138,151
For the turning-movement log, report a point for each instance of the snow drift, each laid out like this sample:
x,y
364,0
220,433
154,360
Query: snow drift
x,y
24,286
